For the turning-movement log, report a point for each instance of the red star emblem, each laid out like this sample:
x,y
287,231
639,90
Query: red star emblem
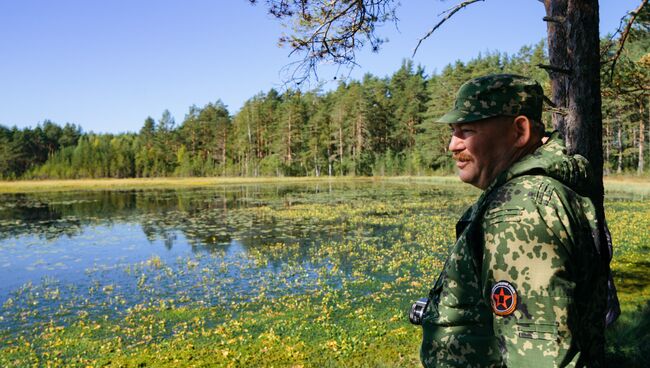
x,y
504,298
501,299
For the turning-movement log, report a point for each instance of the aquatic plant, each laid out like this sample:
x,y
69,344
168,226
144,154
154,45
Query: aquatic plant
x,y
299,277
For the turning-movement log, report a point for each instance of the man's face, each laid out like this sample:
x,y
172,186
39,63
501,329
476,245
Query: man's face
x,y
482,149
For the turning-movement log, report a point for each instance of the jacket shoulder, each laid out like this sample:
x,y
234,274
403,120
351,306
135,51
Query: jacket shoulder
x,y
535,203
530,191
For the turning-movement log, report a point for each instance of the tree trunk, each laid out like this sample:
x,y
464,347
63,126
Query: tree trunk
x,y
634,142
558,57
289,154
607,146
258,143
329,161
246,173
411,130
574,52
341,147
359,142
641,137
619,167
225,149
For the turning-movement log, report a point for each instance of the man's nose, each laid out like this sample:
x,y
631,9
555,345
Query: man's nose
x,y
456,144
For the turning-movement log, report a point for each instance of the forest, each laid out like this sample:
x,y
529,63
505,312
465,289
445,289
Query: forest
x,y
374,126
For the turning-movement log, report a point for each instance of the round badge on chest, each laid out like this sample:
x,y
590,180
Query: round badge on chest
x,y
503,298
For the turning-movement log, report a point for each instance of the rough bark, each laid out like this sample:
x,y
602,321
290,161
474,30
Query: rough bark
x,y
584,119
574,53
558,57
574,46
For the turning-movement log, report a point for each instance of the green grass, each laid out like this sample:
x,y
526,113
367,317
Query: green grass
x,y
631,184
629,338
31,186
638,186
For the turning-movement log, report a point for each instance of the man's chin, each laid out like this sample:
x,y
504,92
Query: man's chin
x,y
464,177
468,179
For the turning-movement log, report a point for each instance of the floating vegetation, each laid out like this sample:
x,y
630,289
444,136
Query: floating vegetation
x,y
275,275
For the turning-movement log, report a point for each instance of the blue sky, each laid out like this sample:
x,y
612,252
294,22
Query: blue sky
x,y
107,65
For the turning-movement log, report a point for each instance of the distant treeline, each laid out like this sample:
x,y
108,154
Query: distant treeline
x,y
376,126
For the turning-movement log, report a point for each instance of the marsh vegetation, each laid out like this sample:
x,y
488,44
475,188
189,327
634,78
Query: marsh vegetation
x,y
257,274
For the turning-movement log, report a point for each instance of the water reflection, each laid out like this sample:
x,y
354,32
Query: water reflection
x,y
205,216
227,239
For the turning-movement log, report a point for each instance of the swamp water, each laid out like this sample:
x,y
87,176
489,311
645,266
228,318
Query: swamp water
x,y
318,273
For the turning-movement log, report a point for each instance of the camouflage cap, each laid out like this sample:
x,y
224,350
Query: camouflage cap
x,y
496,95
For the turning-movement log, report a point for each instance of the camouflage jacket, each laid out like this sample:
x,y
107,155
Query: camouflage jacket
x,y
524,285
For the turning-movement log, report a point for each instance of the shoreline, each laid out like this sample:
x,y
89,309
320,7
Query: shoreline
x,y
615,183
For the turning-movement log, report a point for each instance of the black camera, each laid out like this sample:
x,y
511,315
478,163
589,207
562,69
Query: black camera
x,y
417,311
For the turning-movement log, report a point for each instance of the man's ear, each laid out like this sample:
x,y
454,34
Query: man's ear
x,y
523,127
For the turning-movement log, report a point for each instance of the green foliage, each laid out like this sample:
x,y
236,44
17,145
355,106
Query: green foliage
x,y
626,100
26,149
376,126
629,339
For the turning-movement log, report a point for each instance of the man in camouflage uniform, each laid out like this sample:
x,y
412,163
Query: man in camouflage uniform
x,y
525,285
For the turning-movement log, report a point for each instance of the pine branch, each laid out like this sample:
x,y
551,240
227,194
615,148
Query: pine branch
x,y
557,110
450,12
624,35
551,68
559,20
